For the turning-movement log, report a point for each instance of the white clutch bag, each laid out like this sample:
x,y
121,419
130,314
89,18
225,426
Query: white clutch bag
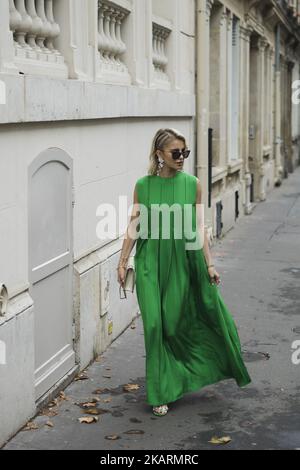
x,y
129,281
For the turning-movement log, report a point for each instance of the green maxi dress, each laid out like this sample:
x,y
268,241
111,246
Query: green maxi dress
x,y
191,340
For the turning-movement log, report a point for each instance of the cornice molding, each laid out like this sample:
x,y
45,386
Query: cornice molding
x,y
253,23
245,32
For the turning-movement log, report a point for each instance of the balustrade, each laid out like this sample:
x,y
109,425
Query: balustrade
x,y
111,46
34,30
160,59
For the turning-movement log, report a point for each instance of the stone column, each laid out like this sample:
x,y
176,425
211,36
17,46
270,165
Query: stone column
x,y
262,44
289,143
229,87
272,82
218,83
278,129
244,114
258,112
268,109
283,98
202,119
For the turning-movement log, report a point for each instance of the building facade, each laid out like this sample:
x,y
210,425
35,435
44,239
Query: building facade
x,y
84,86
247,123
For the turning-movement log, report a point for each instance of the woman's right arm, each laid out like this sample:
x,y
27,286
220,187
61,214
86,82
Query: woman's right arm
x,y
129,239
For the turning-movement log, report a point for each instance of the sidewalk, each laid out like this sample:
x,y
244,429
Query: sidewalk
x,y
259,265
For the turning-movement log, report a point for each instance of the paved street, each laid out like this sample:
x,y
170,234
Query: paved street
x,y
259,264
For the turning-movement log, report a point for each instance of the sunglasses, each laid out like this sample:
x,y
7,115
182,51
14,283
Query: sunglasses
x,y
176,154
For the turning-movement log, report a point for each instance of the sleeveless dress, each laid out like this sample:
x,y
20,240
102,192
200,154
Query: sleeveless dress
x,y
190,337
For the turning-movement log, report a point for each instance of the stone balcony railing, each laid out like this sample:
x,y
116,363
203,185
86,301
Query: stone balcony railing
x,y
160,35
34,32
111,47
48,37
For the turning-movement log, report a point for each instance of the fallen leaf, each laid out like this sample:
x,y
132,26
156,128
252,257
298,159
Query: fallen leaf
x,y
102,411
88,404
88,419
50,424
130,387
55,403
63,396
82,376
93,411
51,404
112,437
220,440
107,400
31,426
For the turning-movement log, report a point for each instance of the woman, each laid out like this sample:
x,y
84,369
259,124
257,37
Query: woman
x,y
190,337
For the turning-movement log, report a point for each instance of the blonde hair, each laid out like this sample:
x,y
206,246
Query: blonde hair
x,y
162,138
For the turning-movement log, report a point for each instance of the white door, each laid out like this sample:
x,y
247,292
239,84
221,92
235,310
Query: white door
x,y
50,266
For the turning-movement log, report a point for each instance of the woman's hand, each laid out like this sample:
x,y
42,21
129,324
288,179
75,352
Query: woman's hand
x,y
121,275
214,276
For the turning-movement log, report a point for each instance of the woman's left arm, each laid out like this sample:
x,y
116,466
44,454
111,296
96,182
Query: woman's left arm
x,y
215,277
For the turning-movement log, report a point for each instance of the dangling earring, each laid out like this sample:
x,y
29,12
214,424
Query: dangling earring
x,y
161,163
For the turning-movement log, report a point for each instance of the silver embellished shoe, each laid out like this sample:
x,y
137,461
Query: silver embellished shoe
x,y
161,410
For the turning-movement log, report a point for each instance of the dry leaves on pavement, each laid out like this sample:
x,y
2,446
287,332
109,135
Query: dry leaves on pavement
x,y
88,419
30,426
130,387
220,440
